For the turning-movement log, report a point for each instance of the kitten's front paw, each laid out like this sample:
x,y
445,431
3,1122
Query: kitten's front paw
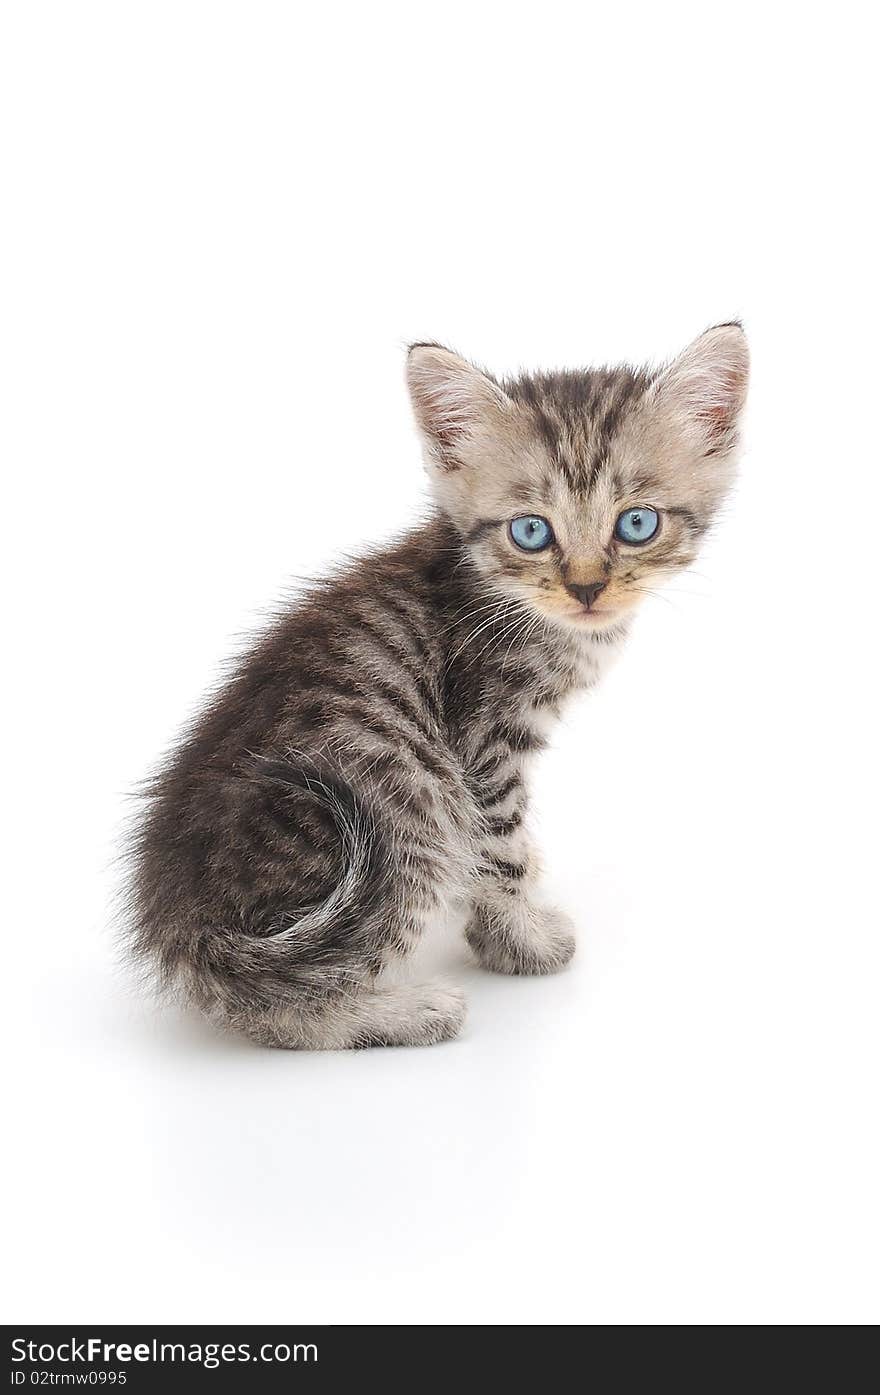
x,y
529,940
413,1015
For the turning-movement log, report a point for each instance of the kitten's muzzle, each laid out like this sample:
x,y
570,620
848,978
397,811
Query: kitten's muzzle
x,y
587,595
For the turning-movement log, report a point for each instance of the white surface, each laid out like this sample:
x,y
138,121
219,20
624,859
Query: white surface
x,y
222,223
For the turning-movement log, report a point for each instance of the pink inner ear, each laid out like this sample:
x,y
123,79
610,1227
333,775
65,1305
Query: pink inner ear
x,y
444,424
445,430
707,383
439,410
450,396
718,416
718,401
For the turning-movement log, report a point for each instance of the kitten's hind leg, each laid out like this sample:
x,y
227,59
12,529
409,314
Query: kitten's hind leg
x,y
399,1015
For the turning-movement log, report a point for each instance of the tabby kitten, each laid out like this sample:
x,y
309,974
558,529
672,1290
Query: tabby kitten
x,y
366,765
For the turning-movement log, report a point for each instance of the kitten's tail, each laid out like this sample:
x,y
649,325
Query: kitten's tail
x,y
363,889
307,951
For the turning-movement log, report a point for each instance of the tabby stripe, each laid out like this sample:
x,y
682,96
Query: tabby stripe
x,y
500,827
513,871
689,518
481,528
369,689
515,737
410,623
494,755
486,798
406,663
397,737
407,709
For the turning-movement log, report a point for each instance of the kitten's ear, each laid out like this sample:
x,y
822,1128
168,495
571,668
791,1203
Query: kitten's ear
x,y
455,404
707,385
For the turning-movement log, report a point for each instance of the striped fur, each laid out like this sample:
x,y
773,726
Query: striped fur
x,y
367,764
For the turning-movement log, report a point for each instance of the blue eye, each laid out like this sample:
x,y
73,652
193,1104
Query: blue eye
x,y
531,533
637,525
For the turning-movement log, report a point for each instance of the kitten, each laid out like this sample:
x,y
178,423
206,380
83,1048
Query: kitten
x,y
366,765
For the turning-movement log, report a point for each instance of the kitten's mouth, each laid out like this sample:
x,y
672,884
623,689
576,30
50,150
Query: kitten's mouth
x,y
580,618
594,616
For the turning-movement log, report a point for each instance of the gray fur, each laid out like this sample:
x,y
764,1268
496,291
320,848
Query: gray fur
x,y
367,764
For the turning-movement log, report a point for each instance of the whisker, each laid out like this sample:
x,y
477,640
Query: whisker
x,y
484,624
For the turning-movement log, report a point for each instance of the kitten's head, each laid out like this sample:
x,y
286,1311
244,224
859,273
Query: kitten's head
x,y
578,491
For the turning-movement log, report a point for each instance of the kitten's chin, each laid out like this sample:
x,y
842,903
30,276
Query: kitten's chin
x,y
608,623
587,621
594,619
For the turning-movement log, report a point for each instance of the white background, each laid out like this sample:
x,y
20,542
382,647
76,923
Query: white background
x,y
221,224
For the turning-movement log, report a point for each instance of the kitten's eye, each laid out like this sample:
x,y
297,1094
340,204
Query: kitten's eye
x,y
637,525
531,533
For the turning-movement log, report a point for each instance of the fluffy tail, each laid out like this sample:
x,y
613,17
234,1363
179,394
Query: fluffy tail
x,y
363,888
306,950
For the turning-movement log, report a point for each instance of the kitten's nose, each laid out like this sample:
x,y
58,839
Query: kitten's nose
x,y
587,594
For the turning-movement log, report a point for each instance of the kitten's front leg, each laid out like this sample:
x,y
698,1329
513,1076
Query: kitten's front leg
x,y
509,931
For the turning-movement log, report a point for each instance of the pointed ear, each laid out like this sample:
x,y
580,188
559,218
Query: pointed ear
x,y
454,403
707,384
